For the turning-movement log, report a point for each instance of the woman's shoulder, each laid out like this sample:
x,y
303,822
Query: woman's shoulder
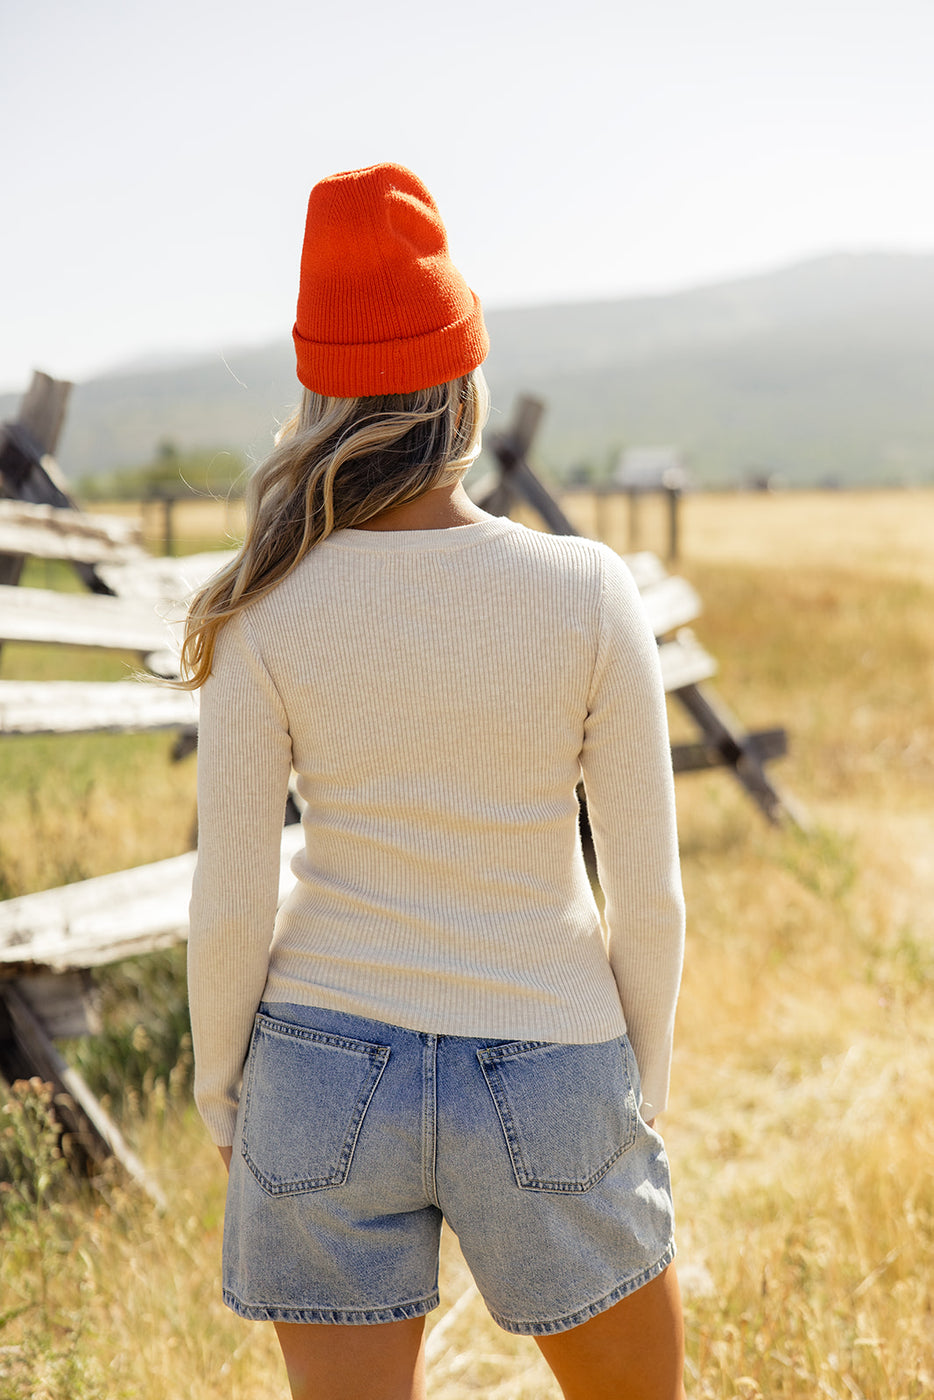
x,y
572,557
572,551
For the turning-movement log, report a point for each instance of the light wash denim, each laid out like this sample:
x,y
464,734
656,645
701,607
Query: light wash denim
x,y
356,1138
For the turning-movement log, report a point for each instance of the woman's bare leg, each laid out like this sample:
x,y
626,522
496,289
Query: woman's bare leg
x,y
633,1351
382,1361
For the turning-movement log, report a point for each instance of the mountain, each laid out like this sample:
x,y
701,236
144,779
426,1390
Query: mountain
x,y
229,400
820,371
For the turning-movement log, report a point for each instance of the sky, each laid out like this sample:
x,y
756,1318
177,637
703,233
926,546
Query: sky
x,y
156,159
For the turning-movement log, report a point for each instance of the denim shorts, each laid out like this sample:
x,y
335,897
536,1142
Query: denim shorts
x,y
356,1138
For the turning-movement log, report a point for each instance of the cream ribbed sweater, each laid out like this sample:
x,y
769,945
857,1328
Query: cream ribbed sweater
x,y
439,693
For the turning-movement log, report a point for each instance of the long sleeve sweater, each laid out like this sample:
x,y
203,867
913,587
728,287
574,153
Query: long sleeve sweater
x,y
440,695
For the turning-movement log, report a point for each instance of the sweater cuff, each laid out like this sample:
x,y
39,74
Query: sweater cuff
x,y
221,1123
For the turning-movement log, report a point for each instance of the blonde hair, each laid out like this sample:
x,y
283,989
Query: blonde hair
x,y
336,464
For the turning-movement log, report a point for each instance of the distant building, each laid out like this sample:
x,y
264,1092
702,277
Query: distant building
x,y
651,469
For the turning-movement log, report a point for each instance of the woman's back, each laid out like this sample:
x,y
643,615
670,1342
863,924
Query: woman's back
x,y
444,692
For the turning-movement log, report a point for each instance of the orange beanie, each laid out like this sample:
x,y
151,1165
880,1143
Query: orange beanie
x,y
381,307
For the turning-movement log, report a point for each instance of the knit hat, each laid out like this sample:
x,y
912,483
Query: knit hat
x,y
381,307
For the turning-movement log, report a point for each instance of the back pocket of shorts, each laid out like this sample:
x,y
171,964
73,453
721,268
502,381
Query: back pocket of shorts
x,y
305,1096
567,1111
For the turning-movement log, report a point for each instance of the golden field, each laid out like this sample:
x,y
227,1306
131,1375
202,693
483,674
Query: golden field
x,y
800,1130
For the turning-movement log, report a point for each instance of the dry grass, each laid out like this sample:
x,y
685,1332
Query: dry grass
x,y
800,1131
884,533
69,812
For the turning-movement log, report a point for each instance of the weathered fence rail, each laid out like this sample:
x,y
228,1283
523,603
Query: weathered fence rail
x,y
82,620
94,922
83,707
54,532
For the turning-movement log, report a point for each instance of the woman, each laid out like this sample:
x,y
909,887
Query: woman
x,y
433,1026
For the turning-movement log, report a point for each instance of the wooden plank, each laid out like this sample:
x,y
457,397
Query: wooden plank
x,y
99,921
165,664
83,707
494,496
685,662
65,1002
98,1137
527,486
11,567
517,480
74,619
172,580
646,568
529,413
52,532
670,603
765,744
511,445
723,732
42,410
28,475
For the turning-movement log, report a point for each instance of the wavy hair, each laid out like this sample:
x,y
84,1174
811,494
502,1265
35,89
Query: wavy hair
x,y
336,464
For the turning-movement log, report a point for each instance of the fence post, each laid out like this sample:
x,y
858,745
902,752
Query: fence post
x,y
633,519
674,500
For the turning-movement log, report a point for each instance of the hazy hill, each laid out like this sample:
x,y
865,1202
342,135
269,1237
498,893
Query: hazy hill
x,y
819,371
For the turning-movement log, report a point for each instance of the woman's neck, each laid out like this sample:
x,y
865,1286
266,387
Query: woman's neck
x,y
440,509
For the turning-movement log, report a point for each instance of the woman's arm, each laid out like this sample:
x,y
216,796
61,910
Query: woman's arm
x,y
244,761
626,764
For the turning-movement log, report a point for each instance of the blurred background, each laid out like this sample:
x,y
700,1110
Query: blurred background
x,y
709,226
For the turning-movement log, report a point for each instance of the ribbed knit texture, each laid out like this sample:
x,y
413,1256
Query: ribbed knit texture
x,y
381,307
440,694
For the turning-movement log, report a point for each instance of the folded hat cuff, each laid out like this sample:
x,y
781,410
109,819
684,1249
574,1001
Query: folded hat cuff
x,y
393,366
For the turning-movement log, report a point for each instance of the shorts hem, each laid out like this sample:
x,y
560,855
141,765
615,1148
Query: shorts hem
x,y
564,1324
274,1312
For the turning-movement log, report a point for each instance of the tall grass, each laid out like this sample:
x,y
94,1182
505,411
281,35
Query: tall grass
x,y
800,1130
